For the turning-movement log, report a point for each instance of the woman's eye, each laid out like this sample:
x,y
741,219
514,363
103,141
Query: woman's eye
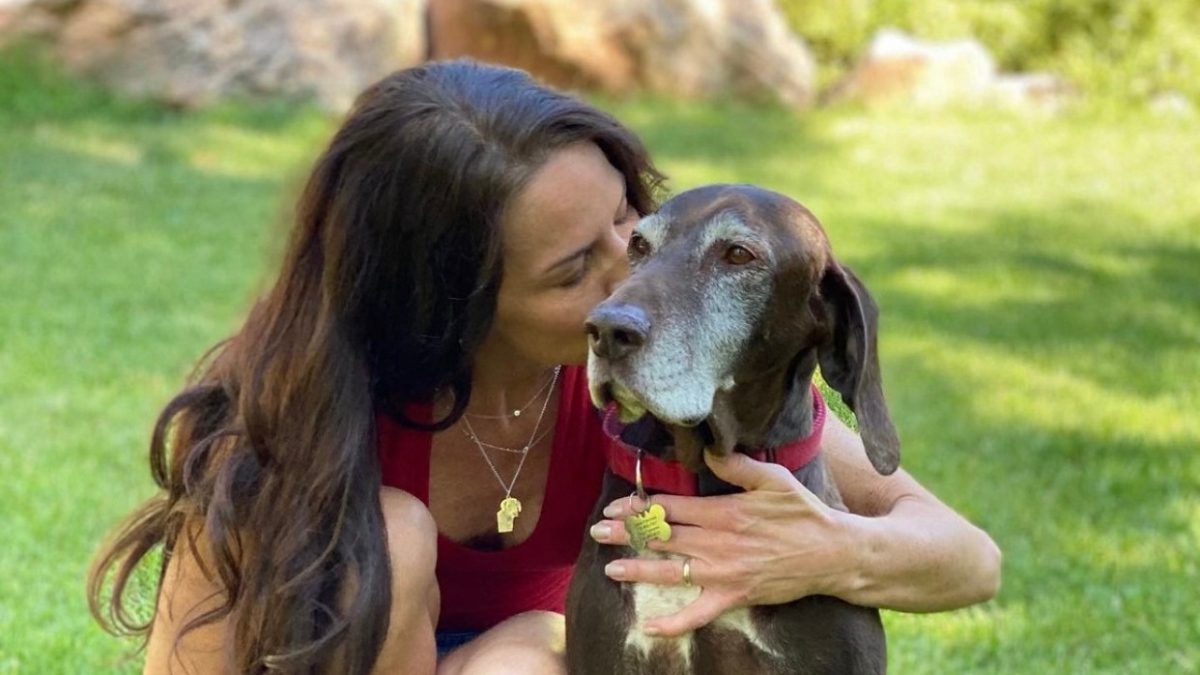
x,y
738,255
638,246
580,272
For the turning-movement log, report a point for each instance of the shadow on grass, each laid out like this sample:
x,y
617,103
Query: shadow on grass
x,y
118,268
114,237
748,149
1096,516
1097,537
1117,310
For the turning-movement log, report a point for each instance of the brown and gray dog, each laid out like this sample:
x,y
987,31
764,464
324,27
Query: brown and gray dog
x,y
734,299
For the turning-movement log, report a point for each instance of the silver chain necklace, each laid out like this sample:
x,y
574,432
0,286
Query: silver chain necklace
x,y
470,433
517,411
510,506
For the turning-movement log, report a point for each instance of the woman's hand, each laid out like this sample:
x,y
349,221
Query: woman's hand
x,y
900,547
771,544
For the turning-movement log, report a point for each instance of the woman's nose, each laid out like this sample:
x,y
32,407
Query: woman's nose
x,y
617,263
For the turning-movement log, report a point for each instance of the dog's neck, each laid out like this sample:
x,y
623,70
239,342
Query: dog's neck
x,y
767,408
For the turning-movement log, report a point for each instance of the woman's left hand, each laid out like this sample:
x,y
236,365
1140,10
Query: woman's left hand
x,y
771,544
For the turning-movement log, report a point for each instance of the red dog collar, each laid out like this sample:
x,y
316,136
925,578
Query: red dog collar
x,y
670,477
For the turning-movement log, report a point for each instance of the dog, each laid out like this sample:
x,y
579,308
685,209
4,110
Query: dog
x,y
734,298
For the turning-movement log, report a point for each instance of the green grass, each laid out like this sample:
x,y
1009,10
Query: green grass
x,y
1039,278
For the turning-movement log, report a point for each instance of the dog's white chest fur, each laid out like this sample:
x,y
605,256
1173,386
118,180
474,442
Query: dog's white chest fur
x,y
652,601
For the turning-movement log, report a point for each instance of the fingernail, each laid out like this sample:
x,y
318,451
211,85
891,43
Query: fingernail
x,y
601,532
615,570
652,630
611,511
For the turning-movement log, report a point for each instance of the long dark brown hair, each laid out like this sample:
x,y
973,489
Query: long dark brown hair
x,y
267,460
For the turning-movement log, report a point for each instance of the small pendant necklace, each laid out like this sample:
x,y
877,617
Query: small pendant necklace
x,y
510,506
517,411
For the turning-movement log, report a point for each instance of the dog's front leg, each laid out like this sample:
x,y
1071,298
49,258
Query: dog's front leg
x,y
598,610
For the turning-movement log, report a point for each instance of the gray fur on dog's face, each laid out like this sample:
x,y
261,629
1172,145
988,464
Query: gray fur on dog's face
x,y
705,286
705,269
736,286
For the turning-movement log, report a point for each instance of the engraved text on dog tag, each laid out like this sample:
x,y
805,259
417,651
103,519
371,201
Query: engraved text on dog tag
x,y
647,525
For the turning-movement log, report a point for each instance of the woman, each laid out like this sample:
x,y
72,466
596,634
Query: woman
x,y
425,333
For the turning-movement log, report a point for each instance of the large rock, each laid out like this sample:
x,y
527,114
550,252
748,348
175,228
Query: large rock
x,y
900,69
1033,92
21,18
691,48
1172,104
190,52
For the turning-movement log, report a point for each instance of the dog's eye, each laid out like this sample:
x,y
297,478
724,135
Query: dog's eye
x,y
738,255
638,246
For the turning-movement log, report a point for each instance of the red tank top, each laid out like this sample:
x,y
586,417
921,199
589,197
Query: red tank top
x,y
482,588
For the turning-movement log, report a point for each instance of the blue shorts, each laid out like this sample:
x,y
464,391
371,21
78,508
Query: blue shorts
x,y
448,640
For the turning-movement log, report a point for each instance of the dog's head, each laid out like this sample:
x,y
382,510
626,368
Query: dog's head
x,y
734,299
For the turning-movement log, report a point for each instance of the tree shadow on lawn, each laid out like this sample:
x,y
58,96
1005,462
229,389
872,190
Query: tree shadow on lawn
x,y
117,276
1089,490
1096,531
116,227
109,281
728,141
1118,310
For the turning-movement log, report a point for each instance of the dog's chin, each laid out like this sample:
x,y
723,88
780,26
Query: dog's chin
x,y
688,435
690,442
615,399
631,405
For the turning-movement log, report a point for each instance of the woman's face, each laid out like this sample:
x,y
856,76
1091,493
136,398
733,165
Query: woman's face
x,y
564,237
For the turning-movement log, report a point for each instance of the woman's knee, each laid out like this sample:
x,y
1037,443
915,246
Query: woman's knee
x,y
531,643
515,659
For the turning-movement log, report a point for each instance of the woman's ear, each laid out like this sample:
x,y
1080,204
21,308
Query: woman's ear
x,y
850,363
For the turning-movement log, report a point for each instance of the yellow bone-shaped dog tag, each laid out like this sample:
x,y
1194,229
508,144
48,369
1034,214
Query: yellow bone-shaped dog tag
x,y
647,525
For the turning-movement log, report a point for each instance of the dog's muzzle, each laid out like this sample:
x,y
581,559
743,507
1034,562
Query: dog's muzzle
x,y
617,330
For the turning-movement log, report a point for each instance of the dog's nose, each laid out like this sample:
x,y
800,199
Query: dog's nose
x,y
615,331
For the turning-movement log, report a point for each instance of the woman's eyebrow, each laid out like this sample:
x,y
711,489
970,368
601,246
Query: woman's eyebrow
x,y
568,259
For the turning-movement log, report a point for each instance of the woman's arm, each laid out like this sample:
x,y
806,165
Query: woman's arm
x,y
408,649
912,552
186,593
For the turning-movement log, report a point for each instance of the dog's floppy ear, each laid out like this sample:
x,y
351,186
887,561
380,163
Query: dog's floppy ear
x,y
850,363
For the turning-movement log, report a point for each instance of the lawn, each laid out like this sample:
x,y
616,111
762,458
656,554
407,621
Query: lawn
x,y
1039,279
